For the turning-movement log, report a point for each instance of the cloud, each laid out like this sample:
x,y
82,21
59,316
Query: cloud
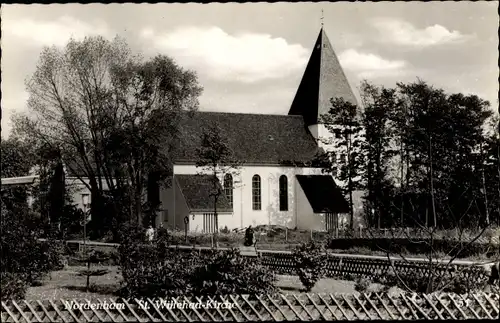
x,y
244,57
404,33
275,100
57,32
370,65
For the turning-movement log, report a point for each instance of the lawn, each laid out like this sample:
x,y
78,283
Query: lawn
x,y
66,284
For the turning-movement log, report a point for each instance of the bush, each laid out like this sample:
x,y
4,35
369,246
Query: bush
x,y
362,284
417,281
13,286
227,272
24,258
310,263
154,270
71,219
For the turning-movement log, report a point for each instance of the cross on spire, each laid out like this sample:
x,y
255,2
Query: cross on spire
x,y
322,17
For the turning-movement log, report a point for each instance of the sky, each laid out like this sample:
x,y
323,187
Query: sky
x,y
250,57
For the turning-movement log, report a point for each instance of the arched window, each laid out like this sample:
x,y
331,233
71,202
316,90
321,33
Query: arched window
x,y
256,198
283,193
228,188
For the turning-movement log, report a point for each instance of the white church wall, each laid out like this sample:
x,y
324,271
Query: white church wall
x,y
307,219
243,214
227,220
166,217
196,223
173,208
181,209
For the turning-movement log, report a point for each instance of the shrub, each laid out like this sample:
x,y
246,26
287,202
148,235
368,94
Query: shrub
x,y
362,284
22,253
25,260
151,269
310,263
417,281
160,277
71,219
13,286
154,270
227,272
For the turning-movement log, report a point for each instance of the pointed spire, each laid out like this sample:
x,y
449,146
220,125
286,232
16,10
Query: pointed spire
x,y
323,80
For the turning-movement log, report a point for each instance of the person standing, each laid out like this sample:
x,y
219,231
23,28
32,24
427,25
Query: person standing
x,y
249,237
150,234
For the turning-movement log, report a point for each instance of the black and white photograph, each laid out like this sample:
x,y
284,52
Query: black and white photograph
x,y
289,161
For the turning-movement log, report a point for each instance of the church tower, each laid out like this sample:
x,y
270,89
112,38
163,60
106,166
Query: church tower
x,y
323,80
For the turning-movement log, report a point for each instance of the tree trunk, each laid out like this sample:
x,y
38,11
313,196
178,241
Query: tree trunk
x,y
138,204
349,165
216,198
95,207
487,214
432,183
401,157
215,213
379,186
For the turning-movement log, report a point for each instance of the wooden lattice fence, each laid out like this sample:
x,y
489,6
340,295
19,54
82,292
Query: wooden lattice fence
x,y
283,263
300,307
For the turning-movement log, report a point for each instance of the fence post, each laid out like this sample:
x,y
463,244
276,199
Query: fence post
x,y
312,235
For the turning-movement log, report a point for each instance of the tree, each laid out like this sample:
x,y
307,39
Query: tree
x,y
310,263
443,153
379,104
435,139
491,169
343,122
17,160
113,116
216,158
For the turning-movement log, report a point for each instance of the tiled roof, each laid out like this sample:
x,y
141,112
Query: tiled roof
x,y
196,190
323,80
323,194
260,139
254,138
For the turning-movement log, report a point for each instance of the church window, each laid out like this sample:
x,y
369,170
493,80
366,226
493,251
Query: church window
x,y
256,193
228,188
283,193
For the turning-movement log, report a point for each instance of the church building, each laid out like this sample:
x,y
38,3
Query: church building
x,y
276,183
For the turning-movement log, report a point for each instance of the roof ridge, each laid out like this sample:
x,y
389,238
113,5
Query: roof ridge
x,y
248,113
